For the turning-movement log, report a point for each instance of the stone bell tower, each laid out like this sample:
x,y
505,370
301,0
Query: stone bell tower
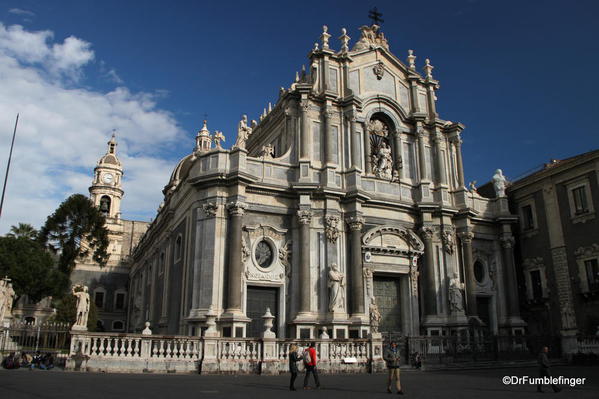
x,y
106,190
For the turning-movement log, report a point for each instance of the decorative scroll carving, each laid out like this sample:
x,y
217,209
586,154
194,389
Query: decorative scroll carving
x,y
304,216
399,241
466,237
236,208
330,227
367,273
355,223
507,242
375,316
268,152
379,70
414,273
427,232
210,208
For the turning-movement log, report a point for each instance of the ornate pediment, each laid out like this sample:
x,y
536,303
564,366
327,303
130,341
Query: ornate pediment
x,y
392,240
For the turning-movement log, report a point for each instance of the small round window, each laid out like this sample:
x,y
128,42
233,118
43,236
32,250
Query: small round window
x,y
479,271
264,254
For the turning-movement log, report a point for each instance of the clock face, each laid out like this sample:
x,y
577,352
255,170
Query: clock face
x,y
107,178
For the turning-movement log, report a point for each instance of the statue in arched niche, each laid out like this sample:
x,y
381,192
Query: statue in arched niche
x,y
381,160
105,205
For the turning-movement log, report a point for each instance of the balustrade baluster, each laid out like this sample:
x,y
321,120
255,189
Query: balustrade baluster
x,y
101,348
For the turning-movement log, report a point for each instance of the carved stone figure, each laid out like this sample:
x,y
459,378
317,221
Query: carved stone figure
x,y
367,272
336,289
81,293
499,183
371,37
382,162
448,241
456,296
375,316
217,138
330,227
243,132
7,295
268,151
568,318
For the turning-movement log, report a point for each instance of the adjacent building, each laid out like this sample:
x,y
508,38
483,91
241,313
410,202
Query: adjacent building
x,y
108,285
558,245
346,198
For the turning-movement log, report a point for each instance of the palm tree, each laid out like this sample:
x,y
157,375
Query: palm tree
x,y
23,230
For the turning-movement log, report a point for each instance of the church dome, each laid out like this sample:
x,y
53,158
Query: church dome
x,y
179,173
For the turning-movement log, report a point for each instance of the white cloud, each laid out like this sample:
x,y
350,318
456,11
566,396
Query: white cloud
x,y
64,127
20,11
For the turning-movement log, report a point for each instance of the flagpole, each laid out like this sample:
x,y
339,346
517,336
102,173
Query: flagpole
x,y
12,144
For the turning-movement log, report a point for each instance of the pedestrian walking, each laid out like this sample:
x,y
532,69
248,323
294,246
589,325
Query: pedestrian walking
x,y
392,358
293,359
310,361
545,369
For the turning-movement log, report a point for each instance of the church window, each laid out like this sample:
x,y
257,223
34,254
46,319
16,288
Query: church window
x,y
479,271
119,301
264,254
536,283
527,219
99,299
178,247
580,200
105,205
592,269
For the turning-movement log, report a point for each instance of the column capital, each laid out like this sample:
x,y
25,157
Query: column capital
x,y
427,232
305,105
507,242
236,208
210,209
466,236
304,216
355,223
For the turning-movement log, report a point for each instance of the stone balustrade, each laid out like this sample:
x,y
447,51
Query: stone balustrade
x,y
588,344
138,353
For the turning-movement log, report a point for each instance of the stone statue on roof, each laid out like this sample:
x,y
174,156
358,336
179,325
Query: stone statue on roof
x,y
371,37
243,132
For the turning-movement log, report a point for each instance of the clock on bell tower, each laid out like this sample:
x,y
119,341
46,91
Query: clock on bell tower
x,y
106,190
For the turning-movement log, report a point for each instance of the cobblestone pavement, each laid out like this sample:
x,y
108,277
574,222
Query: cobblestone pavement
x,y
463,384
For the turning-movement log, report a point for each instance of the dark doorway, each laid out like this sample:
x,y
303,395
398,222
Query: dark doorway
x,y
483,305
387,294
258,299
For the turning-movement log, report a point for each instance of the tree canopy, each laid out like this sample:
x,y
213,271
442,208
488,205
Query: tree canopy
x,y
74,231
23,230
31,269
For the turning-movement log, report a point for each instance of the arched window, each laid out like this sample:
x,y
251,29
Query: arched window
x,y
105,203
479,271
178,247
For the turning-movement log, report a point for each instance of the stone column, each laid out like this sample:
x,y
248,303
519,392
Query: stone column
x,y
355,141
509,273
440,164
305,134
328,114
235,267
430,291
356,279
458,153
304,219
397,144
420,132
466,240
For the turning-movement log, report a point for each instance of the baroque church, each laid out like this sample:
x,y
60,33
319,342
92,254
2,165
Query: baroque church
x,y
108,286
345,200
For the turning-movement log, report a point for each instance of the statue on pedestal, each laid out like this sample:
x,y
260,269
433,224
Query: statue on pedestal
x,y
456,297
243,132
7,296
81,293
336,287
499,183
375,316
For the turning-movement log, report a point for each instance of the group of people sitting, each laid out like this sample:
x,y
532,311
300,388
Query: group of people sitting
x,y
28,360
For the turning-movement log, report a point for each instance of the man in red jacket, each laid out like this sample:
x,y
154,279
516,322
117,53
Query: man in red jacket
x,y
310,361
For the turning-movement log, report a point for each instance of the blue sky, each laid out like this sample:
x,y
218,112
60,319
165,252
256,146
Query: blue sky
x,y
518,74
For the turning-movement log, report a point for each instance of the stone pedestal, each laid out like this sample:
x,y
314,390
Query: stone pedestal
x,y
377,364
210,361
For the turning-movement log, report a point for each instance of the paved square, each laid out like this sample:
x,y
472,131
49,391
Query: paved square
x,y
487,384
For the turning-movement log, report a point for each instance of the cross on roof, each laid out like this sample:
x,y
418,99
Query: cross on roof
x,y
375,15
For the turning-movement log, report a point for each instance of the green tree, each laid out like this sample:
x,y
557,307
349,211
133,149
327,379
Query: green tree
x,y
23,230
74,231
31,269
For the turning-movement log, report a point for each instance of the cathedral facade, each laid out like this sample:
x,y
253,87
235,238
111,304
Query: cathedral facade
x,y
345,201
108,285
